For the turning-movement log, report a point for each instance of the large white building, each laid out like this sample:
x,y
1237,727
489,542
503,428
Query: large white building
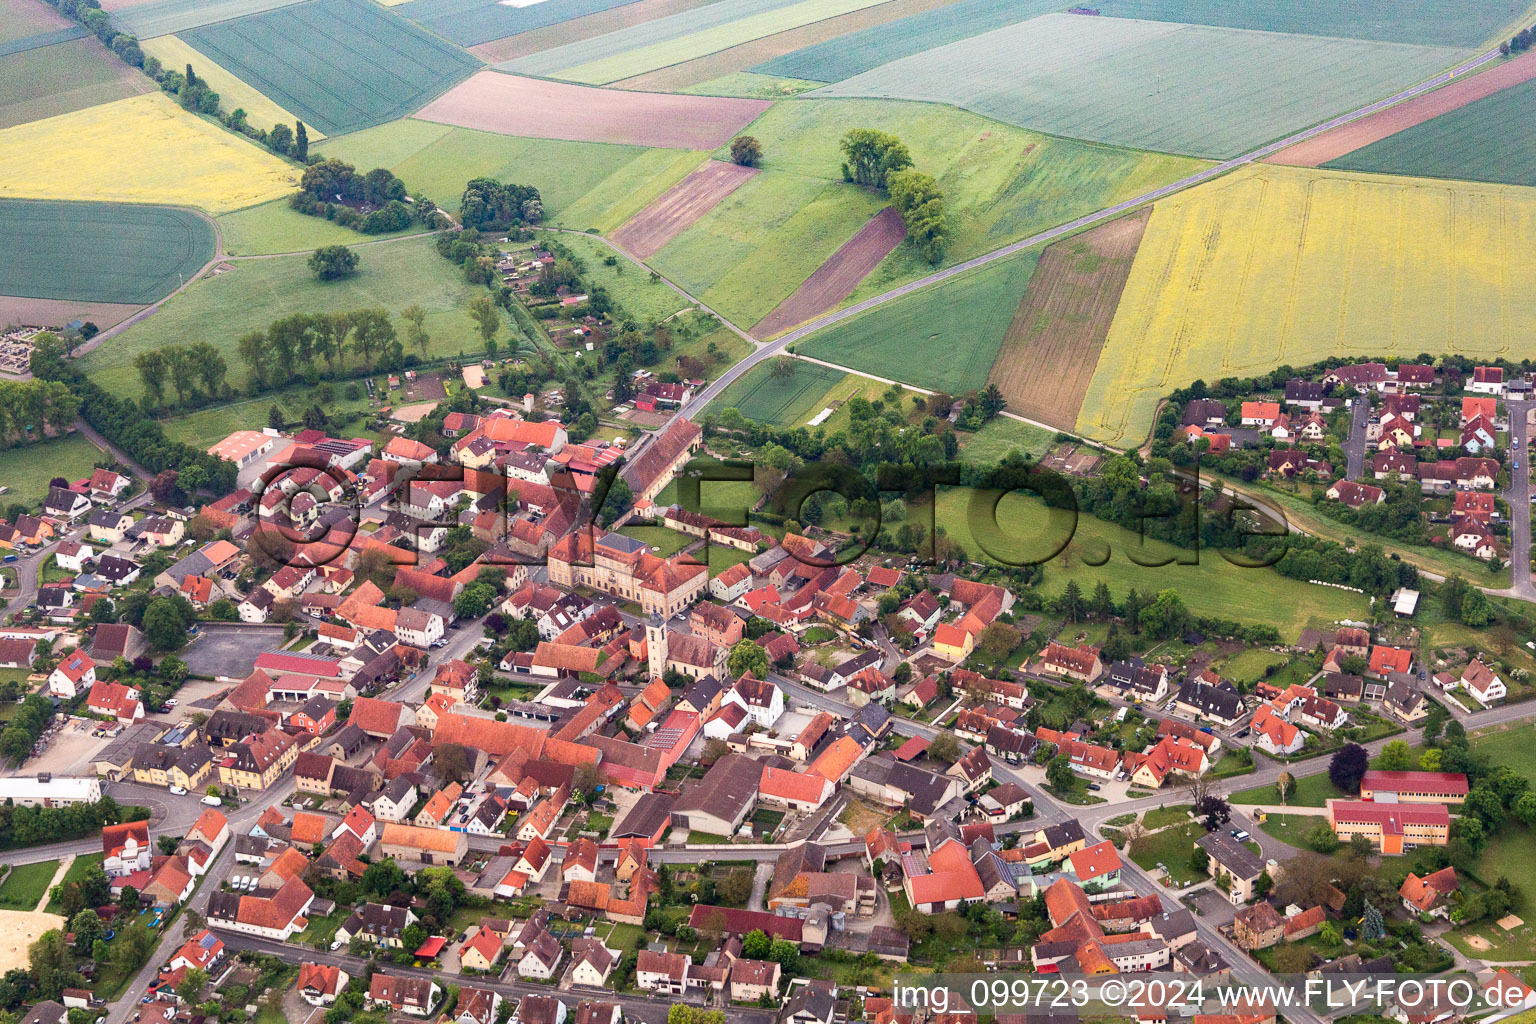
x,y
56,792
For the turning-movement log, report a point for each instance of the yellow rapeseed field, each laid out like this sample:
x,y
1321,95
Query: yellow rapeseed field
x,y
176,54
1283,265
144,149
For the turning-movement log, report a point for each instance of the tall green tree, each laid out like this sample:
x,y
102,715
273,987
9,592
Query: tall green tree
x,y
300,142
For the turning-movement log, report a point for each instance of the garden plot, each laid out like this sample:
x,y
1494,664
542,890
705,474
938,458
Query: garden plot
x,y
341,65
1149,85
512,105
1277,265
137,254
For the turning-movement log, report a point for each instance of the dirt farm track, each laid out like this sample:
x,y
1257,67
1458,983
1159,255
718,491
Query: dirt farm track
x,y
675,210
1347,138
1052,345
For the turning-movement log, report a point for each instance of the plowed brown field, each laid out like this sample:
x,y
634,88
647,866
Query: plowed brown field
x,y
836,279
1347,138
675,210
534,108
739,58
1052,345
577,29
15,309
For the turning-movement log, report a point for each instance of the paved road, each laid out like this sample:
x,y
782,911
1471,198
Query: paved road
x,y
1354,445
772,348
28,568
1519,498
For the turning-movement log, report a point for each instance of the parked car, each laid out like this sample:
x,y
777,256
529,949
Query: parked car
x,y
1240,835
212,801
179,790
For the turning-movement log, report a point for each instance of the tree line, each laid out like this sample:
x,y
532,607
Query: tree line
x,y
294,346
194,372
882,161
29,410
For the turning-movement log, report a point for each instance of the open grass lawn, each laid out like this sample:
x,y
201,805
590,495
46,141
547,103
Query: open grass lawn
x,y
1171,848
276,228
27,884
1026,531
723,499
1292,828
769,394
663,541
391,275
77,871
1507,856
26,471
1160,816
1311,791
1229,764
439,160
322,930
721,558
1003,437
1078,792
1248,665
627,283
206,427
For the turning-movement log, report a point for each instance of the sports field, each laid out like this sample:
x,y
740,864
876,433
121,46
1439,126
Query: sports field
x,y
513,105
786,399
22,18
50,80
167,17
468,22
341,65
945,337
1437,22
835,280
26,471
438,160
163,155
755,248
1278,265
137,253
731,60
660,30
249,296
1473,142
1052,345
700,43
173,52
575,29
677,208
1150,85
836,59
1026,530
1000,183
630,189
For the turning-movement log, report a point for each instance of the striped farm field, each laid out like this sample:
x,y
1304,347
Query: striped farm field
x,y
836,279
1473,142
630,189
174,52
674,211
1436,22
1053,344
138,253
47,81
530,107
1279,265
734,59
22,18
784,392
341,65
1191,89
150,18
162,154
574,30
836,59
469,22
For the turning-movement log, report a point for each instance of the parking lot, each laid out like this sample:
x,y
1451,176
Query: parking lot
x,y
70,749
228,651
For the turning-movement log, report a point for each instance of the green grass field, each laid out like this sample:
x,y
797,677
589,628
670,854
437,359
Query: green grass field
x,y
69,75
1002,437
1311,791
643,300
439,160
836,59
26,471
1000,183
27,884
945,337
628,190
340,65
138,254
1441,22
1149,85
276,228
724,499
1172,848
785,401
206,427
391,275
1248,665
1472,143
1212,587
